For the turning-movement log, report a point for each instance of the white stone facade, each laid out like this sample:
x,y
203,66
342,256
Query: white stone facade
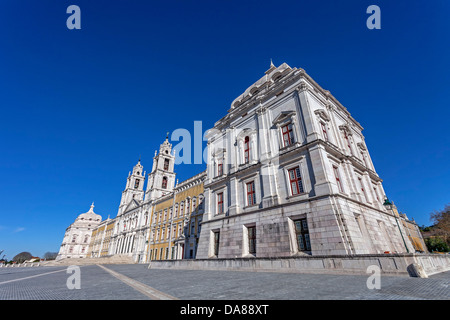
x,y
289,173
78,235
132,227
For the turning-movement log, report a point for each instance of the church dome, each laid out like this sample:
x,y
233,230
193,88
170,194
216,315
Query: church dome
x,y
90,215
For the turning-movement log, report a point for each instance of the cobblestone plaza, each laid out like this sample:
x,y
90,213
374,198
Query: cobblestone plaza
x,y
137,282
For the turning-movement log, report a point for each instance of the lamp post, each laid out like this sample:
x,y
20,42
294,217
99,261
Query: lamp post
x,y
389,206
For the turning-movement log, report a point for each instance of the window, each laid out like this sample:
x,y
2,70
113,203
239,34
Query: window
x,y
295,181
288,136
361,185
220,203
164,183
216,243
347,140
247,150
376,194
251,196
338,180
220,167
166,164
136,184
324,131
251,240
302,235
363,157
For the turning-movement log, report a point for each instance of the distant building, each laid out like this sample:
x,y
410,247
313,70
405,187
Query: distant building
x,y
78,235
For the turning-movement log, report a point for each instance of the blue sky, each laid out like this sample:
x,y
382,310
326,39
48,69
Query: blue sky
x,y
78,107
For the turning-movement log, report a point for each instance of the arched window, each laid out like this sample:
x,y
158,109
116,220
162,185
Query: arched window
x,y
246,149
164,183
86,238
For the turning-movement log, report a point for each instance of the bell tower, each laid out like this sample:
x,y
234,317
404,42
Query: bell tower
x,y
134,189
161,180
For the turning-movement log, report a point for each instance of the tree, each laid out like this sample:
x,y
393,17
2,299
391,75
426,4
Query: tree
x,y
50,255
437,244
21,257
441,221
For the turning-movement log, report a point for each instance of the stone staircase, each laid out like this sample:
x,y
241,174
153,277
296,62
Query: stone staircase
x,y
116,259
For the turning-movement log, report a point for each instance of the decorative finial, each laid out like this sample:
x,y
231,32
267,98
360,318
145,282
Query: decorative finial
x,y
167,136
271,63
92,207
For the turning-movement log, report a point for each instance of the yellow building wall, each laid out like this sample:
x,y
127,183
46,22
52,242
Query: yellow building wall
x,y
165,222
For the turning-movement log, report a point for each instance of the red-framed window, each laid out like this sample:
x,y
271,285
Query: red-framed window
x,y
361,184
247,150
295,181
251,195
338,179
348,142
324,131
220,168
376,193
288,135
220,203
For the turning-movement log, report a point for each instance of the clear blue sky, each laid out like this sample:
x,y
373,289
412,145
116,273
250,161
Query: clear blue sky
x,y
78,107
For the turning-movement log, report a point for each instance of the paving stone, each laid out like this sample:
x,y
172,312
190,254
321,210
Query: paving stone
x,y
97,284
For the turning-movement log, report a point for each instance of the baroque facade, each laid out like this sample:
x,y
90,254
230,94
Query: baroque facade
x,y
288,174
156,224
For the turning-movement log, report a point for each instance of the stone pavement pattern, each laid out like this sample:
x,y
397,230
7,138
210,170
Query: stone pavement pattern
x,y
49,283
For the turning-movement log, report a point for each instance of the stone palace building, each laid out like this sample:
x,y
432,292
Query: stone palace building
x,y
288,174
